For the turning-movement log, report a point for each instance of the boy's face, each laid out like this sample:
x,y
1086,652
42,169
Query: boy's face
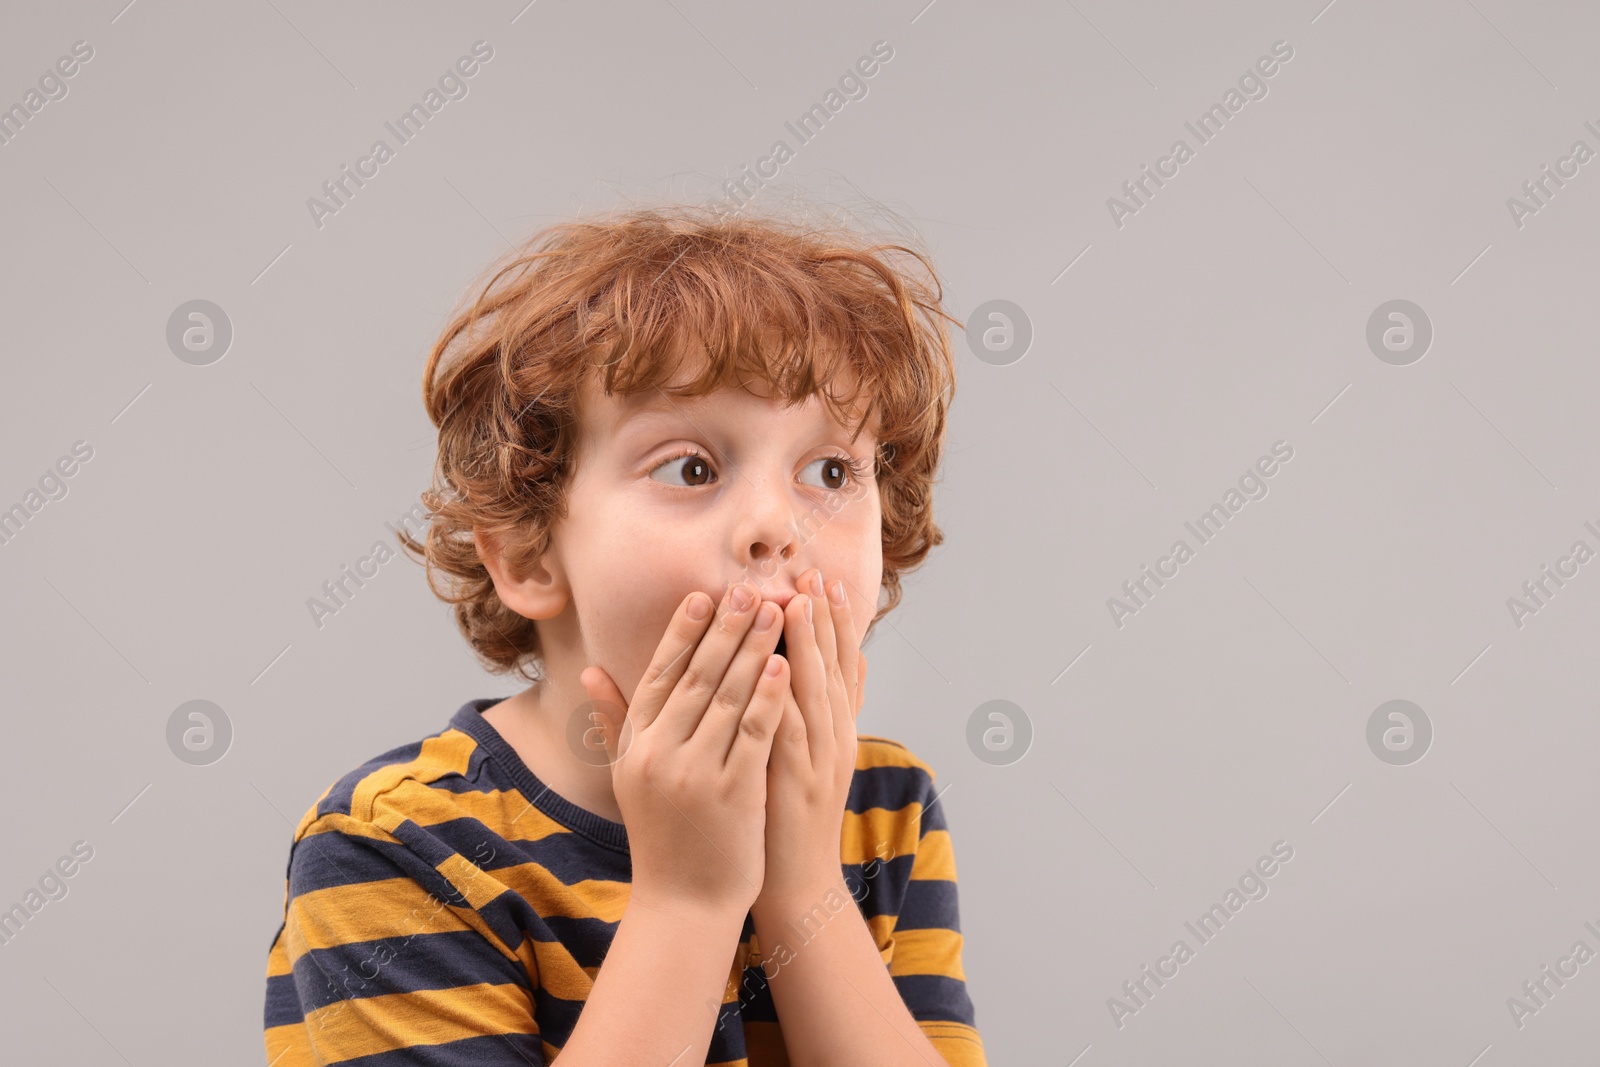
x,y
764,501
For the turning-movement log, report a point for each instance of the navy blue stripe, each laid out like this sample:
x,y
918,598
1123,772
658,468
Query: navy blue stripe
x,y
755,996
890,788
884,893
283,1001
928,903
569,857
932,812
334,858
586,938
403,964
557,1016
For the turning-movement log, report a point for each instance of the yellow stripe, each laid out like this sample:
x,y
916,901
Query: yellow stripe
x,y
470,880
560,974
278,961
426,1017
338,820
366,911
440,756
935,950
878,833
506,810
936,859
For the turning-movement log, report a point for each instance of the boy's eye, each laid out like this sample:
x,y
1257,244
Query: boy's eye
x,y
690,466
834,469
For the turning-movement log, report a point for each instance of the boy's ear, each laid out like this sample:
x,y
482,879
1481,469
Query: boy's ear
x,y
542,593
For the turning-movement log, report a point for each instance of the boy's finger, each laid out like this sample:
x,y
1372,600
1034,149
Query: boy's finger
x,y
789,734
670,661
728,710
699,680
838,683
861,685
808,674
848,642
762,724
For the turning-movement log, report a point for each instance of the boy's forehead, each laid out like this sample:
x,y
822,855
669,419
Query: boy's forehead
x,y
612,415
644,405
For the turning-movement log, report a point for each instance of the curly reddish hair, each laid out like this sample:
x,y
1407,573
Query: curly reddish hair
x,y
622,298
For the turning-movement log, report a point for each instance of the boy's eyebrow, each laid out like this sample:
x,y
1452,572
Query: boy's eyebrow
x,y
653,403
645,401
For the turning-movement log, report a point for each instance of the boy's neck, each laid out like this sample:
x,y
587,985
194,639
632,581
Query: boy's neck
x,y
534,725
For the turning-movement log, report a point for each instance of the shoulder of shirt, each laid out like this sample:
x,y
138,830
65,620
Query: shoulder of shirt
x,y
409,781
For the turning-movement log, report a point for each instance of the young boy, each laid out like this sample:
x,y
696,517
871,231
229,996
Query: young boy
x,y
682,459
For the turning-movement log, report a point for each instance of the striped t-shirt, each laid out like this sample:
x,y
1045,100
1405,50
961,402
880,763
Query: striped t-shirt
x,y
443,908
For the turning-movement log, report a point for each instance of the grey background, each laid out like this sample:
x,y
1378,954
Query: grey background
x,y
1228,314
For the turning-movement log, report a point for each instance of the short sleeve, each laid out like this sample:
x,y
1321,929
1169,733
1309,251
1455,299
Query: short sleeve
x,y
926,964
382,961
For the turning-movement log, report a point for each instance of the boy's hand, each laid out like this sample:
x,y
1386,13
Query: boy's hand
x,y
814,753
696,739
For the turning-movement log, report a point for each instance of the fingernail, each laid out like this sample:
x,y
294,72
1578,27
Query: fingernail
x,y
816,583
699,607
742,597
808,609
836,594
766,617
